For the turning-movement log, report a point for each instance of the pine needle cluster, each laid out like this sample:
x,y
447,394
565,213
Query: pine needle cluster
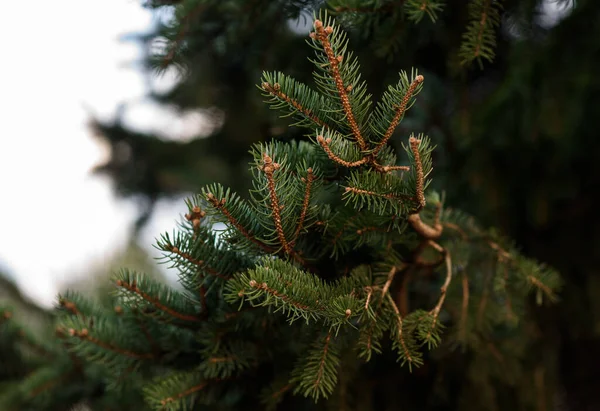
x,y
339,258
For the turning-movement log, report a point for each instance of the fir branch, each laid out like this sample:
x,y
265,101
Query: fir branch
x,y
399,113
269,167
264,287
322,362
308,180
322,34
165,401
275,91
479,40
417,9
84,335
444,288
199,263
324,142
420,177
400,335
133,288
428,232
219,204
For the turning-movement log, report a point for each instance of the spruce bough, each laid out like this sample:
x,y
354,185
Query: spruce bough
x,y
339,257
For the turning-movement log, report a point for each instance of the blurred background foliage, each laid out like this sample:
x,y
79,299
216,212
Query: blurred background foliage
x,y
517,140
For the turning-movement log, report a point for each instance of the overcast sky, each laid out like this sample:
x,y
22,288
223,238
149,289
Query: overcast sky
x,y
59,57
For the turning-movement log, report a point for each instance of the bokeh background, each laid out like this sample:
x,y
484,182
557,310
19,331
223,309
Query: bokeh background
x,y
99,148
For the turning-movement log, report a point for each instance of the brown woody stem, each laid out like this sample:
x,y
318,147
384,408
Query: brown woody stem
x,y
325,144
135,289
84,335
322,34
274,90
220,205
399,113
310,177
269,167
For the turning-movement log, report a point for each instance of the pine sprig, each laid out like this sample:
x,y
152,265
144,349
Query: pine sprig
x,y
316,375
479,39
417,9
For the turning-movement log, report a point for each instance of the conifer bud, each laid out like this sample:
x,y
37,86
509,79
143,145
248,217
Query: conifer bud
x,y
328,30
252,283
348,312
84,332
312,35
318,24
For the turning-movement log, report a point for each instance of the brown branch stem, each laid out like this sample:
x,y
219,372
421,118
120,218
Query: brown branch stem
x,y
136,290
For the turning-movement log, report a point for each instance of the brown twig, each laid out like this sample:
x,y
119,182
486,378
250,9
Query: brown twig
x,y
482,22
427,231
322,34
200,263
420,177
136,290
399,113
185,393
275,293
325,144
220,205
322,363
444,287
400,325
275,90
269,167
84,335
309,180
398,197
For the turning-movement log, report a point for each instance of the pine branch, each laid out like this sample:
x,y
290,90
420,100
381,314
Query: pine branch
x,y
308,180
322,35
399,113
269,167
84,335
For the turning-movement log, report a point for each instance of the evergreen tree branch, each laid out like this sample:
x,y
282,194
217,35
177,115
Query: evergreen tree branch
x,y
444,288
219,204
84,335
164,402
133,288
420,177
308,180
199,263
400,336
275,91
399,113
324,142
322,34
424,229
269,167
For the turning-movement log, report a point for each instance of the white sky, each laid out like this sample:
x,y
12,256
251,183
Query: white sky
x,y
59,57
